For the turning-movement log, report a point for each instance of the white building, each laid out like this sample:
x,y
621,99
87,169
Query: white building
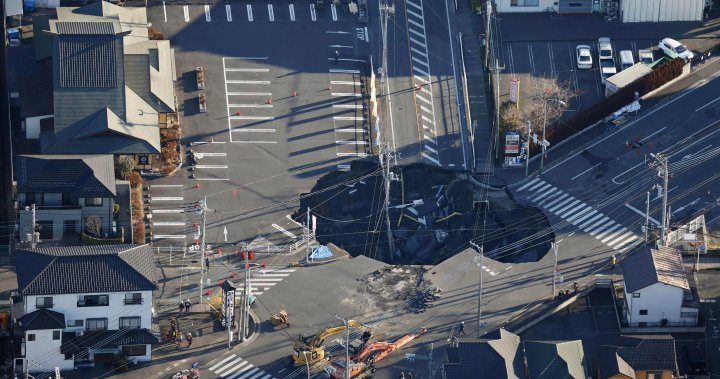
x,y
79,305
657,291
629,10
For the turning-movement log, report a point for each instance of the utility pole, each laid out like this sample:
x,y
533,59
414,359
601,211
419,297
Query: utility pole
x,y
33,239
497,107
481,250
385,159
246,304
664,174
647,217
527,161
203,211
307,236
554,273
347,346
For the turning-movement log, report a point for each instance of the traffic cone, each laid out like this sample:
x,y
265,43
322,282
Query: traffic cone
x,y
294,93
270,101
419,87
237,112
197,185
329,88
232,275
207,293
219,252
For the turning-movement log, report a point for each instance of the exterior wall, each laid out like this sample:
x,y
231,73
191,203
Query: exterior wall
x,y
643,374
662,301
503,6
142,358
661,10
44,352
58,215
67,305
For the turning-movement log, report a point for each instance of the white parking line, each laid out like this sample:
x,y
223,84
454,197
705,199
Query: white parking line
x,y
313,16
186,13
253,130
166,198
168,223
247,69
271,14
247,81
249,12
334,11
341,71
164,11
292,12
287,233
250,105
207,13
260,118
228,12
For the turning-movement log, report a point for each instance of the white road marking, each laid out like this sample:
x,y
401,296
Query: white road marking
x,y
210,166
249,94
431,159
261,118
166,186
228,12
168,223
221,362
341,46
164,11
213,179
292,12
351,154
347,94
162,211
271,13
343,166
348,106
344,82
207,13
313,16
707,104
168,236
287,233
247,81
265,142
249,12
580,174
334,11
244,58
351,142
348,118
341,71
247,69
186,13
166,198
253,130
347,60
336,32
651,135
349,130
250,105
414,50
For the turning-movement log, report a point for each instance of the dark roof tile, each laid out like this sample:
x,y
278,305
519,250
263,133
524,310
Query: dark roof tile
x,y
43,319
645,268
80,175
72,343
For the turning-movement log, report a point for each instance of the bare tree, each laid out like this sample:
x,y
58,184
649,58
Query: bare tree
x,y
124,165
548,98
93,224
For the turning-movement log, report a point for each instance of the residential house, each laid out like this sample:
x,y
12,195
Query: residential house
x,y
80,305
639,357
555,359
657,290
494,355
68,191
629,10
112,85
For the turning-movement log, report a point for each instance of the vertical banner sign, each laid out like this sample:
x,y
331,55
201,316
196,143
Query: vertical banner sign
x,y
512,143
514,91
314,223
228,299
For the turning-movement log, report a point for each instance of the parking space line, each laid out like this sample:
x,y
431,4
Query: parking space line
x,y
348,118
166,186
292,12
333,8
247,69
186,13
341,71
250,105
249,94
253,130
228,12
259,118
249,12
344,82
164,11
207,13
271,14
247,81
313,16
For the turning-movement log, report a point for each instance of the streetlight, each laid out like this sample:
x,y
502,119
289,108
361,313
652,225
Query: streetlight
x,y
544,141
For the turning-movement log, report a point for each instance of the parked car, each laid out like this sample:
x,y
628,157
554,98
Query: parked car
x,y
584,57
695,357
605,48
606,61
626,59
675,49
607,69
646,56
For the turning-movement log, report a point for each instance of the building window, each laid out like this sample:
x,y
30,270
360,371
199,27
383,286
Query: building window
x,y
44,302
75,323
68,356
31,337
654,375
94,201
56,335
636,294
688,314
133,298
524,3
643,312
93,300
130,322
134,350
97,324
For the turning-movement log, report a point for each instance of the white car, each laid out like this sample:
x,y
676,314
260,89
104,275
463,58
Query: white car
x,y
584,57
675,49
646,56
604,48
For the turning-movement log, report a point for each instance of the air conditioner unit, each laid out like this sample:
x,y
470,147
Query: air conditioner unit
x,y
79,333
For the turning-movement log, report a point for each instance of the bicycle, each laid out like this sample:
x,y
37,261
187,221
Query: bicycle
x,y
612,17
550,9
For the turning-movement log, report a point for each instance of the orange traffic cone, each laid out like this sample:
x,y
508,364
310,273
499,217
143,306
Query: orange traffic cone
x,y
270,101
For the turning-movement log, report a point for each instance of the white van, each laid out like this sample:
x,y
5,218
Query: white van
x,y
626,59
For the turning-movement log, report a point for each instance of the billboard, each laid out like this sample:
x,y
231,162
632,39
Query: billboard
x,y
512,143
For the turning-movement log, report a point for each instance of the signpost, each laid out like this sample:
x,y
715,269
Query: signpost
x,y
228,306
515,91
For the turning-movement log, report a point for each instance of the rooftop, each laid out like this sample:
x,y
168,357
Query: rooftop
x,y
495,355
79,175
645,268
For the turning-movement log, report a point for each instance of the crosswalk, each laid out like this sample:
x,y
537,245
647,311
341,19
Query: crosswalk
x,y
166,217
579,214
234,367
253,13
422,81
263,280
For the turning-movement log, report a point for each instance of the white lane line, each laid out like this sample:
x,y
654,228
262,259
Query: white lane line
x,y
249,12
186,13
166,198
253,130
165,211
221,362
336,32
341,71
207,13
168,236
164,11
292,12
249,93
210,166
345,82
166,186
265,142
348,106
271,13
280,228
348,118
650,136
346,94
168,223
261,118
580,174
228,12
247,69
431,159
707,104
334,11
313,16
341,46
247,81
250,105
641,213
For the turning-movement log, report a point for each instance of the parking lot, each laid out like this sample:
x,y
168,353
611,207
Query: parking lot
x,y
167,215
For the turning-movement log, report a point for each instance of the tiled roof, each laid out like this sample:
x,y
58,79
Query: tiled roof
x,y
85,269
610,364
495,355
88,61
645,268
637,353
43,319
80,175
555,359
86,28
72,343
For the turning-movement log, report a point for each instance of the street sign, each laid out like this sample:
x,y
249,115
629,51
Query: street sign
x,y
225,233
228,306
512,143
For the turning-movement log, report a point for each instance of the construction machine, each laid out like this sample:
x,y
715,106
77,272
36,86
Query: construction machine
x,y
309,349
362,361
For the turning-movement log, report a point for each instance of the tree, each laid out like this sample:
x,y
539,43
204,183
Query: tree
x,y
124,165
547,99
93,224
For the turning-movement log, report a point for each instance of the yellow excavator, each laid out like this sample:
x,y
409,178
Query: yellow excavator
x,y
309,349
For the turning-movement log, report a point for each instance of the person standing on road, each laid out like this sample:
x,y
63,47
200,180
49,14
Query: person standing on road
x,y
461,328
207,263
337,56
402,375
410,375
188,304
180,308
189,339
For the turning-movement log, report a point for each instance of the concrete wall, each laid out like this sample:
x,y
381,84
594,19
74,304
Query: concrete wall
x,y
662,301
44,352
661,10
503,6
67,305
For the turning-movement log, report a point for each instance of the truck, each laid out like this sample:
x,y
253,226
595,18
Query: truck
x,y
606,60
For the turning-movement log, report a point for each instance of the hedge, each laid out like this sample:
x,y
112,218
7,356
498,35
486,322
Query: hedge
x,y
662,74
90,240
138,212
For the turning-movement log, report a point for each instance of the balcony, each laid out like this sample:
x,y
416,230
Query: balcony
x,y
135,301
